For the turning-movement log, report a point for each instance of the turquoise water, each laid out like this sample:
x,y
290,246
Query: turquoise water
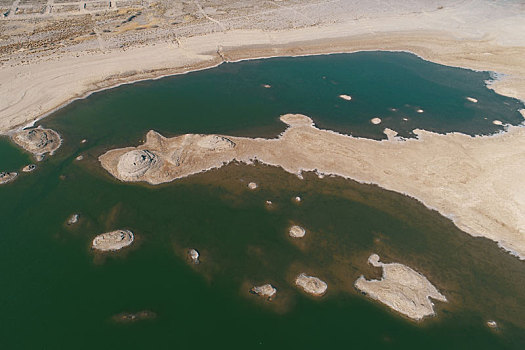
x,y
56,293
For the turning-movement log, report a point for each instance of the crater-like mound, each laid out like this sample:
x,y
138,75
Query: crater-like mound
x,y
38,141
136,163
113,240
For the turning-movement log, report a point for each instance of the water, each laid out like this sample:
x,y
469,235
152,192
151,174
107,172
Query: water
x,y
56,293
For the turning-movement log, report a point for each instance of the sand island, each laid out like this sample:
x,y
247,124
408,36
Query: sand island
x,y
462,177
402,289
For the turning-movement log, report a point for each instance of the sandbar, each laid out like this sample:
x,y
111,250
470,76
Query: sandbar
x,y
402,289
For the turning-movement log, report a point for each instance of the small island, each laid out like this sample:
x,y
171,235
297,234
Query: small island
x,y
402,289
38,141
114,240
311,285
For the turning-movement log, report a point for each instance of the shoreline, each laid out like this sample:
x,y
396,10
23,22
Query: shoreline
x,y
469,187
425,45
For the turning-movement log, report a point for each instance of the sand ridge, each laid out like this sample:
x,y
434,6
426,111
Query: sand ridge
x,y
465,178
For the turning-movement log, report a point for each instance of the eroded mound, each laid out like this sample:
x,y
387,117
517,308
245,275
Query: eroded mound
x,y
134,164
38,141
113,240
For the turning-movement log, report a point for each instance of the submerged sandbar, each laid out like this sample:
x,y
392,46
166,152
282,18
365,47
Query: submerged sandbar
x,y
463,177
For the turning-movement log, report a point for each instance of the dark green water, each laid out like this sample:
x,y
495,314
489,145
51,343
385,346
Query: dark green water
x,y
56,294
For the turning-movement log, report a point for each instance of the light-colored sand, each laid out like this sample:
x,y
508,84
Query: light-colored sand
x,y
346,97
38,141
296,231
311,285
465,178
402,289
497,122
266,290
114,240
375,121
6,177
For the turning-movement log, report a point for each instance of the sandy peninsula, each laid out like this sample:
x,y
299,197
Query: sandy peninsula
x,y
402,289
463,177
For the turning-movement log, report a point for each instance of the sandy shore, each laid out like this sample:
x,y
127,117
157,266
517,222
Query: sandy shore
x,y
32,87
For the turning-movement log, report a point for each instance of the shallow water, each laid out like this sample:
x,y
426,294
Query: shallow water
x,y
56,293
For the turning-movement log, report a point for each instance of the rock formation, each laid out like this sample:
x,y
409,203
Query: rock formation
x,y
73,219
296,231
29,168
38,141
311,285
6,177
113,240
266,290
134,164
193,255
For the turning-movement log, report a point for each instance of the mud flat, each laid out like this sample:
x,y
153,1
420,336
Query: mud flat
x,y
6,177
114,240
402,289
38,141
468,179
